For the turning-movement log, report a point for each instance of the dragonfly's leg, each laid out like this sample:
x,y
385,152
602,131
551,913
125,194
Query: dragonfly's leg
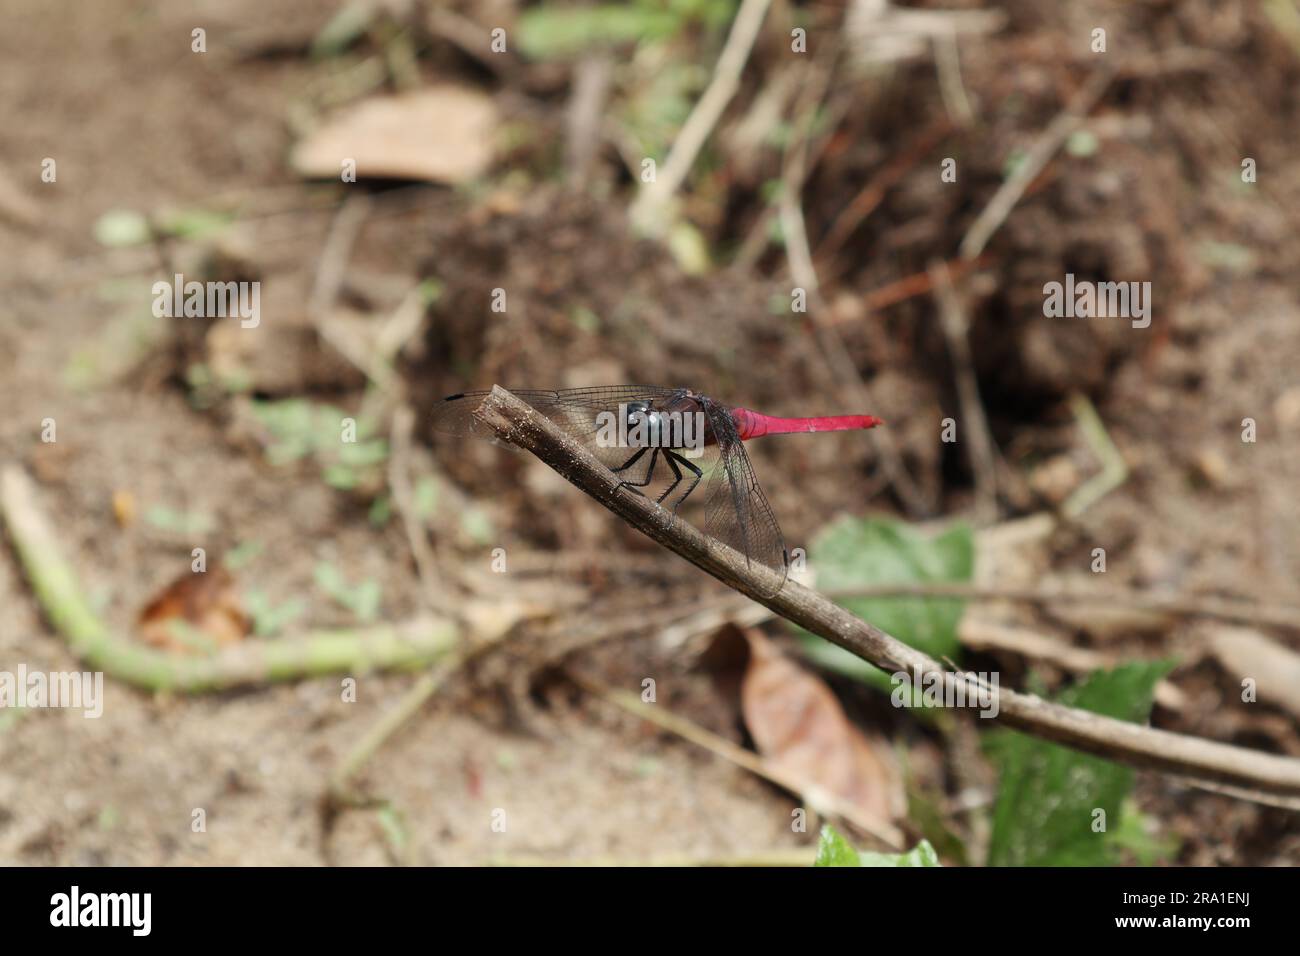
x,y
649,472
631,461
674,460
677,476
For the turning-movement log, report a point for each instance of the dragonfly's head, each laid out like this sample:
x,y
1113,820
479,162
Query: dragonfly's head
x,y
643,420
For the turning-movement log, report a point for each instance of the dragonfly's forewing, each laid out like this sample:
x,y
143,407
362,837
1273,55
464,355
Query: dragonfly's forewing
x,y
576,410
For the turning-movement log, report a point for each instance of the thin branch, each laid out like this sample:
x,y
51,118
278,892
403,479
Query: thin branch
x,y
1133,744
947,63
834,352
432,591
392,720
1114,470
1052,138
1227,609
983,453
873,193
649,209
334,257
592,78
918,283
983,635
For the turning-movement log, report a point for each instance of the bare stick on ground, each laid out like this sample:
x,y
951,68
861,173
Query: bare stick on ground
x,y
1239,610
1009,193
649,210
54,581
1242,771
983,453
825,802
831,343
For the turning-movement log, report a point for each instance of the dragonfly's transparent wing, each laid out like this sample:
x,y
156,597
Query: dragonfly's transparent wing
x,y
454,415
737,512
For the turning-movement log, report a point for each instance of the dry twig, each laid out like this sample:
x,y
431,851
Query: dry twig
x,y
1009,193
649,210
983,453
1182,605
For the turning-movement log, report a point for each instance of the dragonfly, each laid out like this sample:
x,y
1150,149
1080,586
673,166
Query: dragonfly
x,y
673,444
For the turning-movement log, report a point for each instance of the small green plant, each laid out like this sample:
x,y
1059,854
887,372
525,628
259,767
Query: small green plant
x,y
362,599
347,451
1060,807
855,552
268,618
834,850
188,523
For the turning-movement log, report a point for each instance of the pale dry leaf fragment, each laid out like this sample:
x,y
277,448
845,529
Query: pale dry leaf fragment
x,y
443,134
880,32
1245,653
800,729
1102,619
1111,623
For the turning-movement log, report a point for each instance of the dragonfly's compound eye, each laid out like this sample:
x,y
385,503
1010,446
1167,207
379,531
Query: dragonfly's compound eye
x,y
642,423
636,413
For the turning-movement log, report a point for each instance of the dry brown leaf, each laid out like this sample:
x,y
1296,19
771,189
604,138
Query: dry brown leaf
x,y
1275,669
196,613
443,134
799,727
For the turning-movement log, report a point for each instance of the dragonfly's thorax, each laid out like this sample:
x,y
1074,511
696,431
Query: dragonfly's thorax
x,y
677,422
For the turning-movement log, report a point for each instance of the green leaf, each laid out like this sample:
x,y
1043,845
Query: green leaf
x,y
345,28
426,497
476,525
689,247
340,477
193,223
392,823
180,522
243,554
381,511
430,291
122,227
299,428
360,454
1049,795
1139,836
1082,143
550,32
855,552
362,599
269,618
920,855
927,814
834,850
